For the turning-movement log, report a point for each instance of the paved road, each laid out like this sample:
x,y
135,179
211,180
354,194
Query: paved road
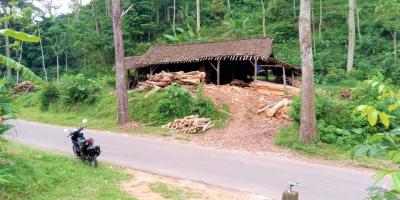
x,y
262,175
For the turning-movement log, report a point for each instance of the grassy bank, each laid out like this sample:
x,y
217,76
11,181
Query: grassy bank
x,y
288,138
152,111
32,174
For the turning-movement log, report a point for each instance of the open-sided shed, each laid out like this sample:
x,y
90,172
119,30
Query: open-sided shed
x,y
222,61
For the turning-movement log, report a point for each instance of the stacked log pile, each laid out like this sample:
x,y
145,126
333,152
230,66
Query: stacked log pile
x,y
190,124
277,110
164,79
25,87
274,89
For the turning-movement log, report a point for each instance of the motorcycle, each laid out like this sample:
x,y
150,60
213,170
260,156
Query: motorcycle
x,y
83,148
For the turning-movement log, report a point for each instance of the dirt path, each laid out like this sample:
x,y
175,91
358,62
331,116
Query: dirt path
x,y
246,131
140,187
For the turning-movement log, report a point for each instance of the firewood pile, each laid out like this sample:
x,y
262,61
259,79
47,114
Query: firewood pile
x,y
190,124
278,110
274,89
25,87
164,79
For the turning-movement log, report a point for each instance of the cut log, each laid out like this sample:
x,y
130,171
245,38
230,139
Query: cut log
x,y
271,111
164,79
190,124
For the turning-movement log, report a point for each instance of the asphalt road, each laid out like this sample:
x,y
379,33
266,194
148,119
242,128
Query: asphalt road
x,y
267,176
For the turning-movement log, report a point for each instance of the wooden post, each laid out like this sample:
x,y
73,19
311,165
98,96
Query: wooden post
x,y
255,69
288,195
151,70
284,76
218,72
293,81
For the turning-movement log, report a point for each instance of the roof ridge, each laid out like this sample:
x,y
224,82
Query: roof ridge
x,y
210,42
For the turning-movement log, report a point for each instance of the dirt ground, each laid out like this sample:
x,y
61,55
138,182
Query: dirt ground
x,y
246,130
140,187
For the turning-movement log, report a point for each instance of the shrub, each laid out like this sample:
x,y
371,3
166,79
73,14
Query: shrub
x,y
335,121
48,95
176,103
335,75
76,89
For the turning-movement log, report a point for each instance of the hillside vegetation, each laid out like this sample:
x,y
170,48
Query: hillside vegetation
x,y
83,40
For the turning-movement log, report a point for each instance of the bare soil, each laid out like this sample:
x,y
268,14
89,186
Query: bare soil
x,y
246,130
139,187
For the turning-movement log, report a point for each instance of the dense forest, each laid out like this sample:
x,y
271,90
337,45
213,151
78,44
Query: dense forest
x,y
82,41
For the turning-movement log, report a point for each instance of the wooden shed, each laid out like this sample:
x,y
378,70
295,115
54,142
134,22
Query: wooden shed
x,y
222,62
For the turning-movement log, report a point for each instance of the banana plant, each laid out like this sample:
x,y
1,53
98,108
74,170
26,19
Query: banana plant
x,y
12,64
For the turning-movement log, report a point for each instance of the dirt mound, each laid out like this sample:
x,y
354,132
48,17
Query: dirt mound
x,y
246,131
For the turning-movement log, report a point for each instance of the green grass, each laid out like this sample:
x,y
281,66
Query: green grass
x,y
288,137
173,193
34,174
101,114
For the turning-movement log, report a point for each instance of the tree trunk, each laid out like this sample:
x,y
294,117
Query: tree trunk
x,y
174,16
294,9
19,60
41,49
263,14
308,128
395,46
122,96
7,44
313,32
229,6
66,61
58,68
358,21
198,15
352,36
320,19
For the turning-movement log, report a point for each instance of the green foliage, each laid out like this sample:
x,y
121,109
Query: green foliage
x,y
335,75
77,89
19,35
33,174
173,103
176,103
383,144
6,110
48,95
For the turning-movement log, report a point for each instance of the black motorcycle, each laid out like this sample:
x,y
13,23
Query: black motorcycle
x,y
83,148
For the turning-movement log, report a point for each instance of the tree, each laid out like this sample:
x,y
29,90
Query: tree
x,y
121,83
198,15
5,5
308,128
387,14
352,36
263,15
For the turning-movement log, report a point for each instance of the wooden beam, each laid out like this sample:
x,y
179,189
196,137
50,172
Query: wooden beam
x,y
255,69
212,65
218,72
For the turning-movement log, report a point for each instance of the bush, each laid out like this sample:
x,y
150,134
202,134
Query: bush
x,y
48,95
335,121
76,89
176,103
335,75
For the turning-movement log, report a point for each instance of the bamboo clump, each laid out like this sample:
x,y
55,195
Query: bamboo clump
x,y
190,124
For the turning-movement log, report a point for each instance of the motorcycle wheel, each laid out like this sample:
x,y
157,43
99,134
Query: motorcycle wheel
x,y
93,162
75,151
